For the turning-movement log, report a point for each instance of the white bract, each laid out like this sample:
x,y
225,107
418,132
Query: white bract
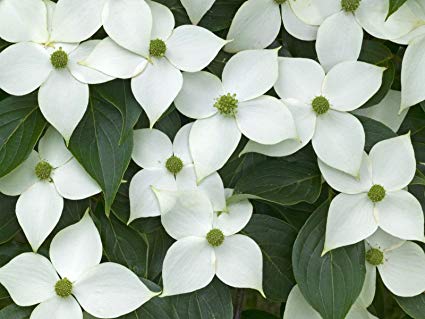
x,y
400,263
320,105
50,61
196,9
207,244
227,109
142,45
166,166
257,24
377,198
41,182
73,278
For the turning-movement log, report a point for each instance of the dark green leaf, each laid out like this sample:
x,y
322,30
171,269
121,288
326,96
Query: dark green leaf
x,y
332,283
9,225
15,312
375,132
415,124
414,306
220,15
257,314
394,6
275,239
21,125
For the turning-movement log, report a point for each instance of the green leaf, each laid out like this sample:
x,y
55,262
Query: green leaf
x,y
394,6
375,132
414,306
332,283
257,314
21,125
415,124
15,312
275,238
9,225
97,145
221,14
285,181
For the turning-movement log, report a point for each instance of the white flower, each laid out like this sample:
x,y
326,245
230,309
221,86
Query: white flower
x,y
42,181
226,110
142,45
400,263
341,22
320,104
51,60
257,24
167,166
377,198
196,9
207,245
106,290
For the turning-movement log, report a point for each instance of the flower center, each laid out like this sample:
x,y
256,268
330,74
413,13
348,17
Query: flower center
x,y
63,288
320,105
375,257
227,104
280,1
43,170
157,48
376,193
215,237
350,5
59,59
174,164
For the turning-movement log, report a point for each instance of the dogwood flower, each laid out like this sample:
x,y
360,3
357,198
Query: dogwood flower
x,y
167,166
51,60
320,104
340,35
226,110
73,278
207,244
41,182
257,24
143,46
400,263
196,9
376,199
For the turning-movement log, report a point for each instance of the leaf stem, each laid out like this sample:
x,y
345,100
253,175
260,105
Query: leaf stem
x,y
240,296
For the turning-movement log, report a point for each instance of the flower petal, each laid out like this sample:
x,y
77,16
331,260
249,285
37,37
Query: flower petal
x,y
240,263
156,88
52,148
181,144
185,213
191,48
298,308
384,241
297,27
314,12
400,214
196,9
83,73
367,294
63,101
350,220
110,290
299,79
212,141
23,68
393,162
38,210
345,183
351,84
255,26
129,23
23,20
266,120
57,307
339,39
76,20
250,74
111,59
235,218
29,278
162,21
402,271
21,178
339,141
212,185
188,266
152,148
143,202
198,94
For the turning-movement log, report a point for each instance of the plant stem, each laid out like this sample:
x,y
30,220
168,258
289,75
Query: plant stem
x,y
240,295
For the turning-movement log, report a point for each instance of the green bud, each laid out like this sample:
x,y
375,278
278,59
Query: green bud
x,y
215,237
157,48
320,105
376,193
174,164
375,257
43,170
227,104
63,288
350,5
59,59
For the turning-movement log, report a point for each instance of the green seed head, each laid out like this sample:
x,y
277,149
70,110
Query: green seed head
x,y
63,288
157,48
320,105
43,170
59,59
215,237
174,164
375,257
350,5
280,1
376,193
227,104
